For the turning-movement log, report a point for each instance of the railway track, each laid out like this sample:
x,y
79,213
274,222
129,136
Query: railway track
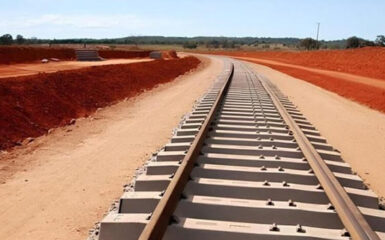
x,y
246,164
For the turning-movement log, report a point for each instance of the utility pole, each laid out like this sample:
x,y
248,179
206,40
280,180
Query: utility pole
x,y
318,30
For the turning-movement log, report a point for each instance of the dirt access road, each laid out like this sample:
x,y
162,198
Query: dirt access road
x,y
15,70
355,130
63,183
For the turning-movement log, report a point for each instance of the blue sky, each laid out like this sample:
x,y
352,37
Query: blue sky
x,y
260,18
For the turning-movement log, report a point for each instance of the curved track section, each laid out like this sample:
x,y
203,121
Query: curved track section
x,y
246,164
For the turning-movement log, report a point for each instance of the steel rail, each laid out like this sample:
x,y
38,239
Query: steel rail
x,y
162,214
348,212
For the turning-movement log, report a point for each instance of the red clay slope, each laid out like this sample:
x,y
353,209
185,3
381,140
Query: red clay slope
x,y
370,96
169,54
368,61
14,54
10,55
30,106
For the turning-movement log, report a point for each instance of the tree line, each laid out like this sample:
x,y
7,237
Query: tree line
x,y
352,42
208,42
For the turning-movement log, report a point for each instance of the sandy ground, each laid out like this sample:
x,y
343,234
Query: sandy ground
x,y
357,131
345,76
15,70
61,184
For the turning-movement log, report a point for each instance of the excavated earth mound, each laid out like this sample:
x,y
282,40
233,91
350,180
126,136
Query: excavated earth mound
x,y
367,62
31,105
370,96
11,55
14,54
169,54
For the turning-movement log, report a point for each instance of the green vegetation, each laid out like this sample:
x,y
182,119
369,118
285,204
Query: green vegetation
x,y
380,40
355,42
6,39
309,44
246,43
20,39
190,45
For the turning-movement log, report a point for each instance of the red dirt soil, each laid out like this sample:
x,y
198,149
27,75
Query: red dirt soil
x,y
14,54
370,96
368,61
10,55
31,105
169,54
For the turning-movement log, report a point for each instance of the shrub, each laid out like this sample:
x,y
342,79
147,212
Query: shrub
x,y
6,39
228,44
265,46
380,40
309,44
20,39
213,44
355,42
190,45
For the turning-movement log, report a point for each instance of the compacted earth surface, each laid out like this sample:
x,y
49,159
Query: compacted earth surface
x,y
31,105
353,128
24,69
357,131
342,92
60,184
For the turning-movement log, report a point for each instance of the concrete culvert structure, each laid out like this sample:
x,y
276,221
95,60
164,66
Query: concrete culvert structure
x,y
88,55
156,55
